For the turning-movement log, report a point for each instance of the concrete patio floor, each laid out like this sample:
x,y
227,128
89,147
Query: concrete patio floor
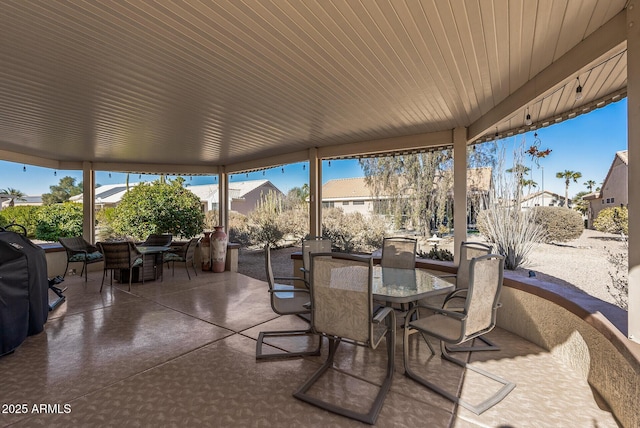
x,y
181,353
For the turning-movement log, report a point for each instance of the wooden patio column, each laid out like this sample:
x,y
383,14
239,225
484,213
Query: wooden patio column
x,y
223,199
459,190
633,129
88,202
315,193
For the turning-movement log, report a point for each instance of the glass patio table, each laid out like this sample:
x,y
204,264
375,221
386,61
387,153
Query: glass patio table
x,y
394,285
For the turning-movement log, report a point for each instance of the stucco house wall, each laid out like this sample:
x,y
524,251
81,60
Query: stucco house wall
x,y
614,191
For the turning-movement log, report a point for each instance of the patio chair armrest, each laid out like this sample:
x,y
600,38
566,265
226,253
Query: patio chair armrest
x,y
291,278
382,314
289,290
455,294
436,310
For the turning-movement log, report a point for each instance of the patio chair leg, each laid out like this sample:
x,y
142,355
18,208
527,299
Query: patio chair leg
x,y
104,273
371,416
287,333
478,409
489,346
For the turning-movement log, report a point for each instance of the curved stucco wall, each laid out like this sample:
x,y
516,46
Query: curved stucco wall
x,y
608,363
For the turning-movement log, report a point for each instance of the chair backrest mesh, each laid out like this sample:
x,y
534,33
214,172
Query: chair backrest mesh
x,y
485,284
469,251
399,253
316,244
117,255
341,300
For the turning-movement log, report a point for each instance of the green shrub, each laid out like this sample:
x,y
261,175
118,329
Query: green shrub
x,y
437,254
559,224
59,221
24,215
613,220
159,208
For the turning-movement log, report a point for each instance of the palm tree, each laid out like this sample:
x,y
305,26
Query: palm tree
x,y
589,184
14,195
568,176
528,183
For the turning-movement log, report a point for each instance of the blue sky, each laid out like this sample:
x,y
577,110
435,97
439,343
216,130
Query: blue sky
x,y
586,144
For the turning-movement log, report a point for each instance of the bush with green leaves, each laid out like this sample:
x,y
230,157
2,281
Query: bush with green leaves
x,y
437,254
59,221
613,220
559,224
159,208
24,215
352,232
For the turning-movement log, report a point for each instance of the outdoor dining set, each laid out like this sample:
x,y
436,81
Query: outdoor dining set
x,y
348,299
128,261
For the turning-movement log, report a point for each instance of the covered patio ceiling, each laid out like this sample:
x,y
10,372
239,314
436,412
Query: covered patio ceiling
x,y
189,87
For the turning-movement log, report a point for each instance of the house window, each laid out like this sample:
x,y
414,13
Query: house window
x,y
358,202
345,202
613,200
328,204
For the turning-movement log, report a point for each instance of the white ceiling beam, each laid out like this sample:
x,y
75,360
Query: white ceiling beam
x,y
608,40
10,156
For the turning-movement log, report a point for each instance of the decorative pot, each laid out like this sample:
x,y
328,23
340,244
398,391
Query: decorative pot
x,y
218,249
205,251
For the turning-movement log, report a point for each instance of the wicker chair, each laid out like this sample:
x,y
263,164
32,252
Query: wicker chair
x,y
185,254
120,255
156,240
342,310
80,251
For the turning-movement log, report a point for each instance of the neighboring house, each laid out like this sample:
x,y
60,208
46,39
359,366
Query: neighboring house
x,y
350,194
243,195
542,199
5,200
353,194
107,195
614,191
